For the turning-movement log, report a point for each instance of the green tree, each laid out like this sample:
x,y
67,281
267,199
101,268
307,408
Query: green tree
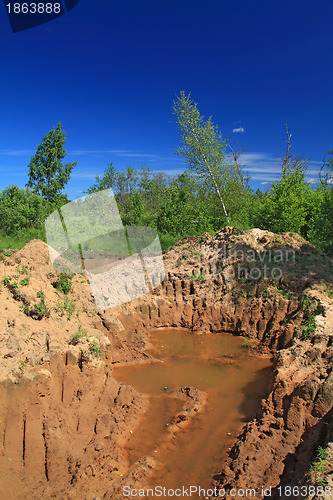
x,y
289,205
21,209
47,174
321,232
203,146
106,181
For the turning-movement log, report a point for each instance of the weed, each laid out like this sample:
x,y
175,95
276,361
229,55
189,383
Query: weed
x,y
95,349
200,277
76,337
238,293
329,291
22,269
6,280
285,293
41,309
24,282
37,311
309,326
318,468
22,365
64,283
322,453
66,306
246,342
7,254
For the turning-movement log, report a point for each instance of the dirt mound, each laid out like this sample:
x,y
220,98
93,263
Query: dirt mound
x,y
64,417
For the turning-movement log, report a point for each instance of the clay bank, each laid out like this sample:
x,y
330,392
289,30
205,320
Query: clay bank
x,y
68,425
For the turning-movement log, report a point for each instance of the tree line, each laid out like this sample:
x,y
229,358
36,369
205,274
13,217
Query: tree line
x,y
213,192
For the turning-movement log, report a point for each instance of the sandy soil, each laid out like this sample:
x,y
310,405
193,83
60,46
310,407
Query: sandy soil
x,y
64,418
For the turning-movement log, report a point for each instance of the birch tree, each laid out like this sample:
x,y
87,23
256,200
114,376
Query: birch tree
x,y
203,148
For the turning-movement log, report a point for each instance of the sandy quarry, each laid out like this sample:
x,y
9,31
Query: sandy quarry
x,y
64,418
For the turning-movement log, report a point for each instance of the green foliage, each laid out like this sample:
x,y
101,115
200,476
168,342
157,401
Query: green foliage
x,y
319,468
66,306
310,311
287,207
78,335
95,349
246,342
106,181
204,151
21,209
47,174
64,283
20,238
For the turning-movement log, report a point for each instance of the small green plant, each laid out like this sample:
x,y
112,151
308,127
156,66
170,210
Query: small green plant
x,y
66,306
41,295
95,349
6,280
201,278
318,468
22,365
322,453
327,289
22,269
64,283
7,254
309,327
41,309
24,282
246,342
77,336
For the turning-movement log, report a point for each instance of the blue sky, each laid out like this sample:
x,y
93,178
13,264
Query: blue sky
x,y
110,70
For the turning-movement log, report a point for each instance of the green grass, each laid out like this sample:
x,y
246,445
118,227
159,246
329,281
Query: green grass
x,y
319,467
17,241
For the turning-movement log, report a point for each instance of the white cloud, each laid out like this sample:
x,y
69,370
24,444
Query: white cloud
x,y
312,181
238,130
17,152
84,175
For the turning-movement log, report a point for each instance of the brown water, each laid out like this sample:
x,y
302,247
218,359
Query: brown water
x,y
233,383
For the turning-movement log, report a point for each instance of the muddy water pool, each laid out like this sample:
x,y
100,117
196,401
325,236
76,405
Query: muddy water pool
x,y
231,384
